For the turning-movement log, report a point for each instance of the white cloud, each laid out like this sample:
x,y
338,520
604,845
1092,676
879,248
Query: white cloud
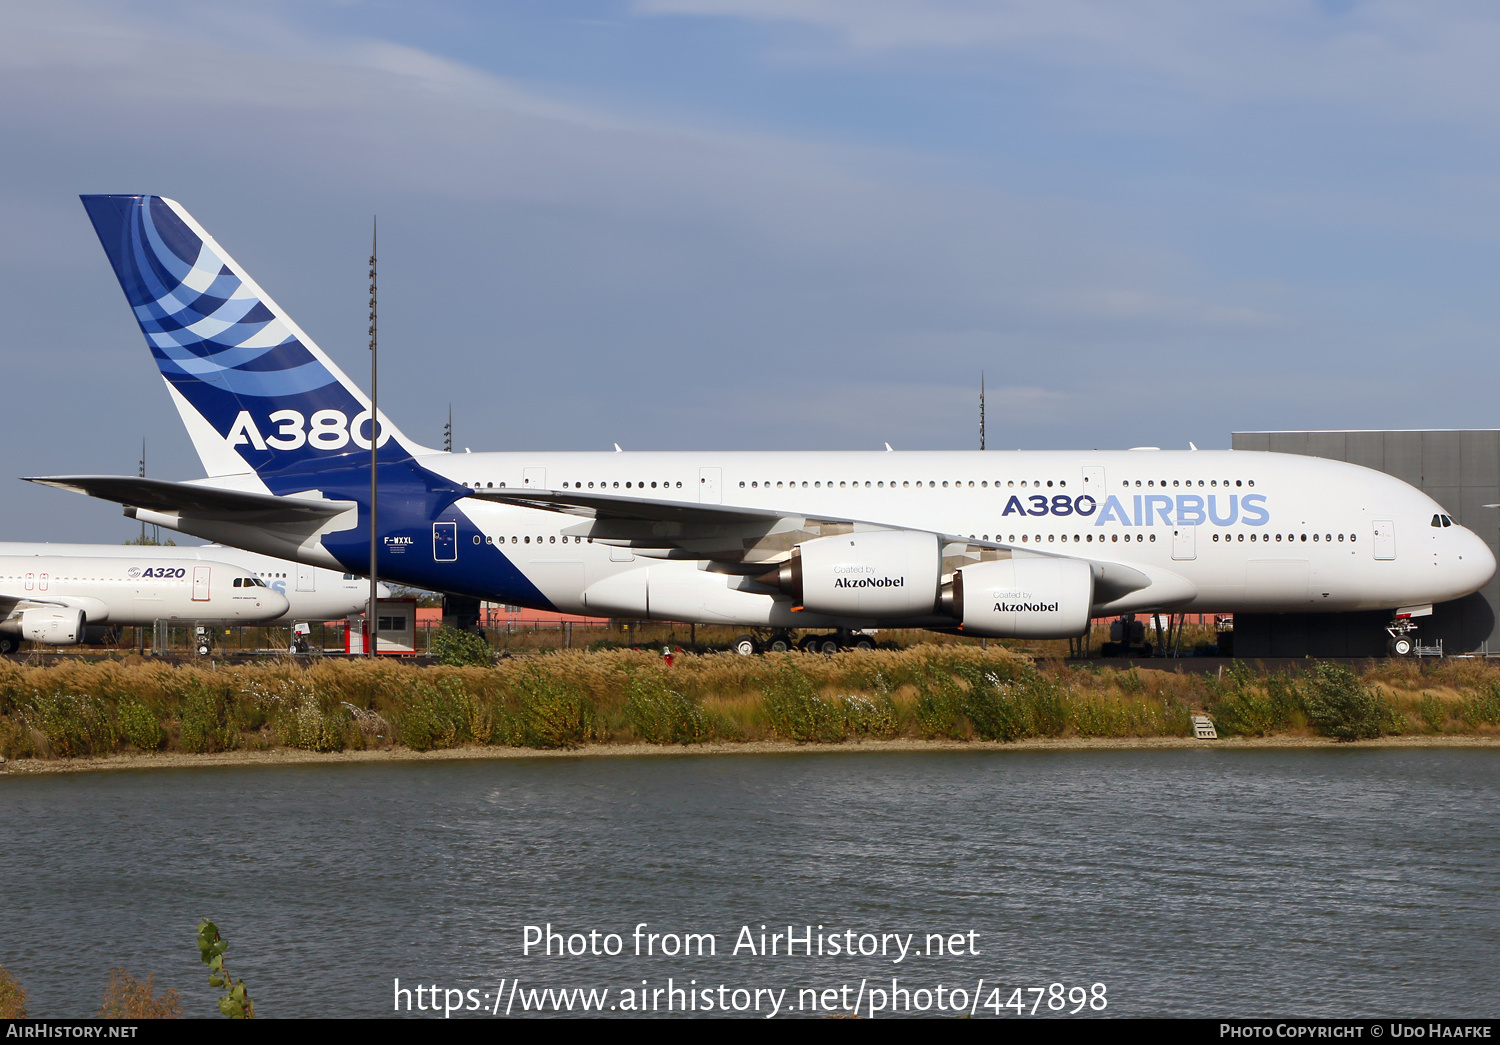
x,y
1432,60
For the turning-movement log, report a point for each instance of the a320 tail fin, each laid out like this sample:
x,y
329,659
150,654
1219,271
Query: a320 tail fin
x,y
255,392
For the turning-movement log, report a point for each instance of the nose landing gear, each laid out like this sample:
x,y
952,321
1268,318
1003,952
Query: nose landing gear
x,y
1403,643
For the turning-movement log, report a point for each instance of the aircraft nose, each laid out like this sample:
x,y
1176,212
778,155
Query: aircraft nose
x,y
1476,559
275,603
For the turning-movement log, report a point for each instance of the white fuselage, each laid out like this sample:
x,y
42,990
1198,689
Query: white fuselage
x,y
1245,530
311,592
48,598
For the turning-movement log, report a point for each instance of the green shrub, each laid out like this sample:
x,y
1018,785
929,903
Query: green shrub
x,y
1433,713
73,726
1243,714
12,996
442,716
140,726
1102,717
794,710
15,739
548,712
1238,709
864,717
1288,707
999,708
207,720
939,708
1482,709
1342,707
660,715
461,649
302,723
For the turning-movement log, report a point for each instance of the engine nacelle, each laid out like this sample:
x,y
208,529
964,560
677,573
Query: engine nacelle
x,y
56,626
1022,598
881,573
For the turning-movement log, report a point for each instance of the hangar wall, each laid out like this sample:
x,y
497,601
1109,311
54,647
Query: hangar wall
x,y
1460,469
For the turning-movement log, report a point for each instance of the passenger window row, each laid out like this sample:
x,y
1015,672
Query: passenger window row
x,y
553,539
1211,483
1291,538
931,484
1052,538
628,486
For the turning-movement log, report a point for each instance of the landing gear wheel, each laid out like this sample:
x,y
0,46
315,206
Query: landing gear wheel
x,y
809,643
204,649
828,644
1402,645
9,644
863,642
780,643
745,646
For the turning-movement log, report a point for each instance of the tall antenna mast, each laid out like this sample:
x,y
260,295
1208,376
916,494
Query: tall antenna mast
x,y
372,615
981,410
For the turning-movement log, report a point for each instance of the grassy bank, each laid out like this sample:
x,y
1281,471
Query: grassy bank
x,y
563,700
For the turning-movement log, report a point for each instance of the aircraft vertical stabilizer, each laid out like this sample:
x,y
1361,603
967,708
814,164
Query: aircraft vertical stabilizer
x,y
256,393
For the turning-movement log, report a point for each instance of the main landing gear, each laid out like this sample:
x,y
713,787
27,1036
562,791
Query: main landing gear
x,y
783,642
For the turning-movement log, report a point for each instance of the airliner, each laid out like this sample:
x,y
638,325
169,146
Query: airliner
x,y
995,544
312,592
50,598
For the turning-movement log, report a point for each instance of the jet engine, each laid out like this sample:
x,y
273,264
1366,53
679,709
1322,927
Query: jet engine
x,y
1022,598
880,573
56,626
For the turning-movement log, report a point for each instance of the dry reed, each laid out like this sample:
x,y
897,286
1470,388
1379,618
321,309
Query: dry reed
x,y
565,698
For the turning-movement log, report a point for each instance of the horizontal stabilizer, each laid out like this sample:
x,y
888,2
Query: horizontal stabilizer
x,y
162,495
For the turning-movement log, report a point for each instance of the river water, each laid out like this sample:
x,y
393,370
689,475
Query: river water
x,y
1317,882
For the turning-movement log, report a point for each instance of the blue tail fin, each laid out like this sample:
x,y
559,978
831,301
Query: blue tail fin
x,y
255,392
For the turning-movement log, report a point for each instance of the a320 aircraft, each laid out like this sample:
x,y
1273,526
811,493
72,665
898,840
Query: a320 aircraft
x,y
1023,544
309,592
50,598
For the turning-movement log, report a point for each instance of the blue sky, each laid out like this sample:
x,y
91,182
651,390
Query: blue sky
x,y
779,224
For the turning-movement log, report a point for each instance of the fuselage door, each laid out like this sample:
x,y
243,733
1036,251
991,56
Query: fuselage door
x,y
1385,538
200,583
307,578
445,542
708,485
534,478
1185,542
1093,482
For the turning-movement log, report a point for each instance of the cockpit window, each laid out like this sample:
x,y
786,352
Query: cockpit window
x,y
1437,520
1447,521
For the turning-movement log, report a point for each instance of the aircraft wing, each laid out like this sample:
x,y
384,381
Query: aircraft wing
x,y
94,610
162,495
751,540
